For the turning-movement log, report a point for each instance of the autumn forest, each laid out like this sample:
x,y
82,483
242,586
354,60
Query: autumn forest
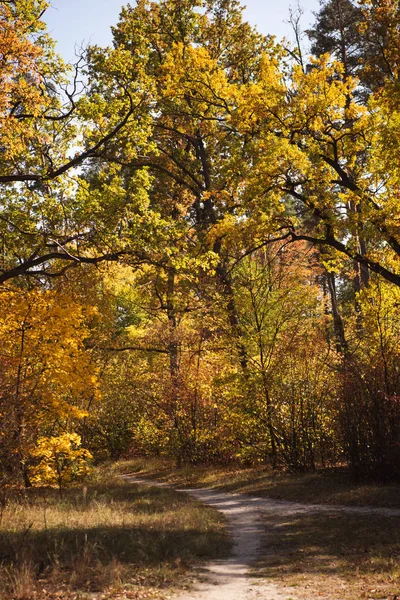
x,y
200,242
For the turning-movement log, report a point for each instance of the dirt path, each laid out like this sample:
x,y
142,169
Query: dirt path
x,y
228,579
231,578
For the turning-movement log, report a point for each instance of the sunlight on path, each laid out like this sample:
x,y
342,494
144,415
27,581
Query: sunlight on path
x,y
231,578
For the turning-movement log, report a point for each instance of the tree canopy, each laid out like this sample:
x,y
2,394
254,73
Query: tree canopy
x,y
200,241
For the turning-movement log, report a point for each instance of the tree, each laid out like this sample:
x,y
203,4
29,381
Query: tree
x,y
322,152
292,398
195,64
368,391
48,376
61,460
250,207
244,150
43,141
363,36
227,145
337,32
380,27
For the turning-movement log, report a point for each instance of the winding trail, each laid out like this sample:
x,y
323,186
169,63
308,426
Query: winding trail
x,y
229,578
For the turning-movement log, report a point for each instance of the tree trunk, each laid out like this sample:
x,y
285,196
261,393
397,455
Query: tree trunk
x,y
338,326
225,283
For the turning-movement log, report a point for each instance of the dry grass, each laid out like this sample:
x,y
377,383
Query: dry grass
x,y
333,556
333,486
111,538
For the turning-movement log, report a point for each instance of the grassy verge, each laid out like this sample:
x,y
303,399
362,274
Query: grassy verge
x,y
104,540
334,486
333,556
311,555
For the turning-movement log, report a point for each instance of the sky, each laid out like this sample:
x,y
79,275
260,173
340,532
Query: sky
x,y
80,22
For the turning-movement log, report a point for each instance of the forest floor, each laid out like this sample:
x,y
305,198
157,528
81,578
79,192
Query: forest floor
x,y
106,540
328,486
306,549
118,539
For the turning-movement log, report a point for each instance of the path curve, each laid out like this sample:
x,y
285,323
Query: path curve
x,y
229,578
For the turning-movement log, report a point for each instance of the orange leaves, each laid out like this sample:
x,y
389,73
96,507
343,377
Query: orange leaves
x,y
48,376
22,76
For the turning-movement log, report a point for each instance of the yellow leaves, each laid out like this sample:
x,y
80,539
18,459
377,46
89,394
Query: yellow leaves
x,y
192,77
380,308
322,99
42,334
385,135
61,460
48,379
261,100
332,261
225,227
